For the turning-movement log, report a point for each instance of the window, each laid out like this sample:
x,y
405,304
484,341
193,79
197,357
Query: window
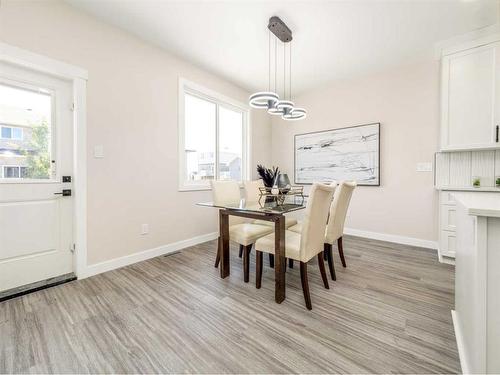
x,y
9,132
26,116
199,147
212,138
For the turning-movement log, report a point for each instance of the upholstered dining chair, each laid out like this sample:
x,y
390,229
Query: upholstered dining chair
x,y
335,227
304,246
241,230
252,194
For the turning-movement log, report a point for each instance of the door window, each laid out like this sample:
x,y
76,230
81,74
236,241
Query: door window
x,y
26,132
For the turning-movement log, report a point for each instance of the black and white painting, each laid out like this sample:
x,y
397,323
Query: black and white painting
x,y
339,154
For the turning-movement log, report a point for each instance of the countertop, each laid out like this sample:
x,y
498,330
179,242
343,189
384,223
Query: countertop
x,y
469,188
480,203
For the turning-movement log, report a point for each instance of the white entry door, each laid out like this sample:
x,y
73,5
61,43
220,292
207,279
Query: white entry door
x,y
36,151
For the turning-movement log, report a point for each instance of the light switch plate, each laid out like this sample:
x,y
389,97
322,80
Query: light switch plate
x,y
98,151
424,167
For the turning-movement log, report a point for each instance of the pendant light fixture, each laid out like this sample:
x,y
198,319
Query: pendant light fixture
x,y
266,99
295,113
273,109
270,100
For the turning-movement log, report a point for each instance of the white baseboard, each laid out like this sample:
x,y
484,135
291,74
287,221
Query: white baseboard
x,y
445,259
392,238
460,343
112,264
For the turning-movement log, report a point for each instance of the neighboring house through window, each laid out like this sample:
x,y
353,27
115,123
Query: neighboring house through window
x,y
9,132
13,172
213,137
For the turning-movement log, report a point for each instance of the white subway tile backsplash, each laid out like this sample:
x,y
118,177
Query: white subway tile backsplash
x,y
442,169
497,163
483,166
456,169
460,169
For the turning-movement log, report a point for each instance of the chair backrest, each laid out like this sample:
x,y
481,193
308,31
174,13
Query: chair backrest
x,y
252,192
225,192
313,226
338,211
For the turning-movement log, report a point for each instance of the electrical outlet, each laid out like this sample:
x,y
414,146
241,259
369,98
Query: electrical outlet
x,y
98,151
424,167
144,229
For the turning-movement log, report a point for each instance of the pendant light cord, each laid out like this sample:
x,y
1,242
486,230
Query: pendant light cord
x,y
269,59
290,85
275,65
284,71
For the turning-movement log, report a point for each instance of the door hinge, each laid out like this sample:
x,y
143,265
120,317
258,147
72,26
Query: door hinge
x,y
72,107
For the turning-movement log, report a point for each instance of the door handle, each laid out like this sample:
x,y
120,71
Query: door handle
x,y
496,136
64,193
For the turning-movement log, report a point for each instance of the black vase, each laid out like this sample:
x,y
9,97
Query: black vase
x,y
284,183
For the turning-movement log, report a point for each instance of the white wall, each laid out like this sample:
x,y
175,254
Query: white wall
x,y
406,103
132,112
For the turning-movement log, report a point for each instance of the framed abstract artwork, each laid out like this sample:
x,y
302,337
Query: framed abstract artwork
x,y
351,153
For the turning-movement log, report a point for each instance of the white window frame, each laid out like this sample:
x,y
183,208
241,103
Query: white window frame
x,y
12,132
187,87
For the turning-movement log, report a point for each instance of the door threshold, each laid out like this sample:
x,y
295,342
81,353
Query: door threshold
x,y
34,287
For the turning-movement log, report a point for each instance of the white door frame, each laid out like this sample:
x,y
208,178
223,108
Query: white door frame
x,y
78,77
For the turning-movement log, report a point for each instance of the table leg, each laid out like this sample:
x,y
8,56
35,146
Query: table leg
x,y
224,243
279,258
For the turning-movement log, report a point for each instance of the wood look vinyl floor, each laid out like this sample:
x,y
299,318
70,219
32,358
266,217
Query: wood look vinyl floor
x,y
388,312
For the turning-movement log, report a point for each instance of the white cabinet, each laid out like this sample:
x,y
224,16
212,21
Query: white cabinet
x,y
470,98
447,226
448,217
477,276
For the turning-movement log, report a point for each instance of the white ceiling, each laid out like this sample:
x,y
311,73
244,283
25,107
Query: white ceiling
x,y
332,39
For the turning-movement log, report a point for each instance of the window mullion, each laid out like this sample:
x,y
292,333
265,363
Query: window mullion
x,y
244,151
216,169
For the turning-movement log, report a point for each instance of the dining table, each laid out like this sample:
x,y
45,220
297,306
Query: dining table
x,y
268,209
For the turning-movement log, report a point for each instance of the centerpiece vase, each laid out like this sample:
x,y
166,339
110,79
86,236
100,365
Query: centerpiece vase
x,y
283,183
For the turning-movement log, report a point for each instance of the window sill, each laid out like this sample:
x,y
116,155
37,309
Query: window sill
x,y
194,188
187,188
13,180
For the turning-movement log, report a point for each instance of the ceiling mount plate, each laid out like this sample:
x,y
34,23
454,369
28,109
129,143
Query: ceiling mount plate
x,y
280,29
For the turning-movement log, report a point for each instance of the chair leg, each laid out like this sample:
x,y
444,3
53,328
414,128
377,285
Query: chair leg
x,y
329,256
290,263
217,257
321,264
325,256
241,251
341,251
305,284
271,260
246,262
258,269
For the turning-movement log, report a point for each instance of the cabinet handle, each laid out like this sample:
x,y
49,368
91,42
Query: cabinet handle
x,y
496,136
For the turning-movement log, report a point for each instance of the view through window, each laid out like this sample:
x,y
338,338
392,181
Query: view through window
x,y
213,142
25,133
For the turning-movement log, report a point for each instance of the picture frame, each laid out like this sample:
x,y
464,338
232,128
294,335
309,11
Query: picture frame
x,y
348,153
